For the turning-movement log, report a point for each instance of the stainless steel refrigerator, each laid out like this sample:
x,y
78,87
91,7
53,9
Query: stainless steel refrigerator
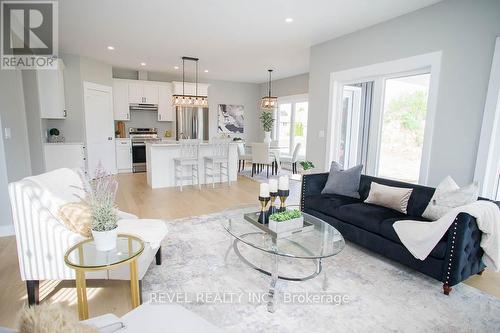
x,y
191,123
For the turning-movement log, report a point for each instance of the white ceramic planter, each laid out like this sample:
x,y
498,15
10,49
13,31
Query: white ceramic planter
x,y
280,227
267,137
105,240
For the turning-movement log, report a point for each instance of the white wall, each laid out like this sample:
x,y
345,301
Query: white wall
x,y
294,85
14,117
465,31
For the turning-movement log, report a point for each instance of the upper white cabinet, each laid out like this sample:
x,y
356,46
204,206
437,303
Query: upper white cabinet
x,y
142,93
190,88
121,109
51,92
165,110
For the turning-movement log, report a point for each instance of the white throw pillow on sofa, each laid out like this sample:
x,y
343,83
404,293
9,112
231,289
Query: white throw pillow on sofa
x,y
396,198
449,195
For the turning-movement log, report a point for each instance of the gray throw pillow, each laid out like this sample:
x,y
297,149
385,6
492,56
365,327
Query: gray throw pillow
x,y
343,182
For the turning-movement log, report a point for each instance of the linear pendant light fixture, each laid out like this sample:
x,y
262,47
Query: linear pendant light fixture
x,y
189,100
269,102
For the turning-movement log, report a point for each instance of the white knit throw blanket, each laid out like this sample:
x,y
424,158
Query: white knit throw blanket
x,y
421,237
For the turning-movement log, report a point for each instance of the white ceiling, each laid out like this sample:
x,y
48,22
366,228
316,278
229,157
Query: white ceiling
x,y
236,40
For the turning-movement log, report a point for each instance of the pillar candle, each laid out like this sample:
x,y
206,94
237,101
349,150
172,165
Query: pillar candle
x,y
283,183
273,185
264,190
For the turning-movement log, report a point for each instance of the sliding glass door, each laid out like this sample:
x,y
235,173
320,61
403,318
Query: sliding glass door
x,y
290,126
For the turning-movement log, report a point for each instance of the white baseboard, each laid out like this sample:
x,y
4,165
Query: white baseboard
x,y
6,230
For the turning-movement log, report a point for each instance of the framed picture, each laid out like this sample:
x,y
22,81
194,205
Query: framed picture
x,y
231,118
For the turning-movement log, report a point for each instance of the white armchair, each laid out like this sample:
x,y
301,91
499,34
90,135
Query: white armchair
x,y
42,239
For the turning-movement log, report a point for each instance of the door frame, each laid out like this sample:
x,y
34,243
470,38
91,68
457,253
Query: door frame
x,y
292,99
377,72
108,89
487,162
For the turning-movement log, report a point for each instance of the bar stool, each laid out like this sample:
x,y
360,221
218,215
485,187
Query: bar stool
x,y
218,160
189,157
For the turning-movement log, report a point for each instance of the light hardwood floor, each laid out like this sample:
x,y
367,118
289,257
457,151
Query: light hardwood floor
x,y
136,197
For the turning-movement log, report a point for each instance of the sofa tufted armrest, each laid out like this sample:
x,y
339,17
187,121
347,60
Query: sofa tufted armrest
x,y
464,252
312,184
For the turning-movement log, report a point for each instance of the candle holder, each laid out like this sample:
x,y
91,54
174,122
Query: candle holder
x,y
263,217
283,194
272,209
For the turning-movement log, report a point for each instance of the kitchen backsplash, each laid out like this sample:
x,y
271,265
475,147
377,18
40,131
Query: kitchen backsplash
x,y
148,119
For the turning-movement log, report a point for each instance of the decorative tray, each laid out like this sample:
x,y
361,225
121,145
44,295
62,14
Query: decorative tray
x,y
254,219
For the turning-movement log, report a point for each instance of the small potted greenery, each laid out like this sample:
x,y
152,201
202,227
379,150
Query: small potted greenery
x,y
286,221
307,166
100,196
267,121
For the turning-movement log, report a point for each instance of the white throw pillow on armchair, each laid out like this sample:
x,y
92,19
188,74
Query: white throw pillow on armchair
x,y
449,195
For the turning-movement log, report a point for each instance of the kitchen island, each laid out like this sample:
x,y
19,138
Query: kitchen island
x,y
160,163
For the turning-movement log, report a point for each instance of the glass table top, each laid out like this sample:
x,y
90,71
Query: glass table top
x,y
85,255
319,242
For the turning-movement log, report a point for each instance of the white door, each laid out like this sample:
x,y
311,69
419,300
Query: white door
x,y
120,100
135,93
165,112
6,227
99,128
150,93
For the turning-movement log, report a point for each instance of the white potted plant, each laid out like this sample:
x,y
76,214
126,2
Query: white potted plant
x,y
307,166
100,196
267,121
286,221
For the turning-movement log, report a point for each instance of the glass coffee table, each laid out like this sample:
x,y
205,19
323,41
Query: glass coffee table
x,y
84,257
315,243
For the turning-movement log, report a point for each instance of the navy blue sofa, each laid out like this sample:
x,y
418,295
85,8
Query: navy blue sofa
x,y
456,257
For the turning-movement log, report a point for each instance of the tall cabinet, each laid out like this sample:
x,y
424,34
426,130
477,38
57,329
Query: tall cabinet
x,y
50,85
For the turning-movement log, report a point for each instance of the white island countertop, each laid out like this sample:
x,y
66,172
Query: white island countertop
x,y
160,163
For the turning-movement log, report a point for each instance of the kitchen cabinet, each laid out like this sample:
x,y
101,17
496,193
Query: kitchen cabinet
x,y
165,109
190,88
50,84
142,93
124,155
64,155
121,109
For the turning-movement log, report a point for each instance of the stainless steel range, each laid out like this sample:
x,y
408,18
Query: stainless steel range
x,y
139,137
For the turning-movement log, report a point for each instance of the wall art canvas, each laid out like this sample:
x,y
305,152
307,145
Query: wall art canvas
x,y
231,118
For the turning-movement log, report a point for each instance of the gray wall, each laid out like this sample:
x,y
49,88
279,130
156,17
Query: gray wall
x,y
465,31
5,215
294,85
36,135
14,117
78,69
220,92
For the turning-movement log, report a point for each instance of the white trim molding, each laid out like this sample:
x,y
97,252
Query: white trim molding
x,y
487,171
431,62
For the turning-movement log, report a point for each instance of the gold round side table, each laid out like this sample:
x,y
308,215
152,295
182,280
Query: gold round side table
x,y
84,257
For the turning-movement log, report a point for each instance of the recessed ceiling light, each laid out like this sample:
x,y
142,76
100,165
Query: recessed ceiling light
x,y
176,67
289,20
206,70
111,48
143,64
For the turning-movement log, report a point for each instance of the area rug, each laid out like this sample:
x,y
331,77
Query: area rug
x,y
378,295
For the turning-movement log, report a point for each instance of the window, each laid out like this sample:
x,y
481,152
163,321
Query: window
x,y
382,125
290,126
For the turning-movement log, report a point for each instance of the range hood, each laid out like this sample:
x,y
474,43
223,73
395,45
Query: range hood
x,y
143,107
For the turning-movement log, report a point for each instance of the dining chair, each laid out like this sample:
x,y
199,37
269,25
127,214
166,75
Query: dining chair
x,y
261,156
292,159
189,157
242,156
219,159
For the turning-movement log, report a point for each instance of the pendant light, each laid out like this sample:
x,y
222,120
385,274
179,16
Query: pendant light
x,y
189,100
269,102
